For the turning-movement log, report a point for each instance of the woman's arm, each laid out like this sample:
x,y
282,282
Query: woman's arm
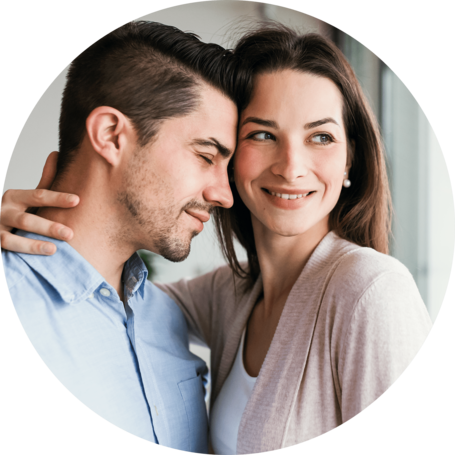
x,y
386,329
202,300
194,297
15,214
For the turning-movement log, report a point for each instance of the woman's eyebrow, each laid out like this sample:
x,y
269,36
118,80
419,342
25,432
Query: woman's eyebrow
x,y
260,121
317,123
273,124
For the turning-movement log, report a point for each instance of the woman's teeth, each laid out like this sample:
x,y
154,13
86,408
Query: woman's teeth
x,y
289,196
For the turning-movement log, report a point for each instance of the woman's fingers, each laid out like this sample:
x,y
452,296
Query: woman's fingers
x,y
27,222
13,214
23,245
33,223
21,199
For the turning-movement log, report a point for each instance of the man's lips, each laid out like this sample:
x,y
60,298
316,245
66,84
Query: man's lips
x,y
201,216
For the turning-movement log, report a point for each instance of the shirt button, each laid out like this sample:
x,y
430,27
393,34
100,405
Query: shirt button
x,y
91,296
105,292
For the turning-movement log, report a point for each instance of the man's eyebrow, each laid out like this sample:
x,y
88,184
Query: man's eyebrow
x,y
212,142
260,121
317,123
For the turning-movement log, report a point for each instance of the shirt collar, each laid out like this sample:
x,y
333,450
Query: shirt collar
x,y
73,277
134,276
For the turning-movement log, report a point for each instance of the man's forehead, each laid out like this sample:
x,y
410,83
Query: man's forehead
x,y
215,119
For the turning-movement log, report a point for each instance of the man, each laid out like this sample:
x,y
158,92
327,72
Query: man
x,y
147,128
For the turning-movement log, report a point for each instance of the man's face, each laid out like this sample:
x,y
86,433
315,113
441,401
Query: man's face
x,y
171,185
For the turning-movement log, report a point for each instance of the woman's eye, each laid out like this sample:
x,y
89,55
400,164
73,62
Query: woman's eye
x,y
323,139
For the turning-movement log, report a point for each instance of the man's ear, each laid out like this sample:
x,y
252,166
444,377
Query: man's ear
x,y
109,132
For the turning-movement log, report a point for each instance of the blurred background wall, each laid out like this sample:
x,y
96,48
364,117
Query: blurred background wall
x,y
424,221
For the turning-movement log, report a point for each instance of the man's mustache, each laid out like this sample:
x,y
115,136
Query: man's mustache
x,y
198,206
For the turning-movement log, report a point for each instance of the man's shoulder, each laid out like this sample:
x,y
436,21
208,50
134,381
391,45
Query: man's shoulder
x,y
16,269
159,302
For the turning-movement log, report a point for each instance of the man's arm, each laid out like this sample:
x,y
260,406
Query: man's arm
x,y
15,214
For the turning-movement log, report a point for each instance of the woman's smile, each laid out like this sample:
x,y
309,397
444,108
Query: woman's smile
x,y
288,199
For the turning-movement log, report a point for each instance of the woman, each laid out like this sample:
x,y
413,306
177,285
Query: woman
x,y
320,321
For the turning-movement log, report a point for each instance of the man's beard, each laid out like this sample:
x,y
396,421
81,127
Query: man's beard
x,y
173,248
161,226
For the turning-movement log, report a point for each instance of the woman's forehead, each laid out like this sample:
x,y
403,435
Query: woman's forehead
x,y
290,94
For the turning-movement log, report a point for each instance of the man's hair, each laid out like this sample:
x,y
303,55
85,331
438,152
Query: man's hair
x,y
362,214
148,71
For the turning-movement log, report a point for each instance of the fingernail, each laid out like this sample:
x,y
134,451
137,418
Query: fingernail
x,y
64,233
71,198
47,249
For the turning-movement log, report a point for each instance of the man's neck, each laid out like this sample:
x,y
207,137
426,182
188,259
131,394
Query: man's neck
x,y
99,236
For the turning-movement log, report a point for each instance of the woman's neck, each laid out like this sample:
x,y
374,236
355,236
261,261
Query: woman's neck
x,y
282,258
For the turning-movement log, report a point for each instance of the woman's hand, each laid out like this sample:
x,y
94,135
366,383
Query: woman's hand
x,y
13,214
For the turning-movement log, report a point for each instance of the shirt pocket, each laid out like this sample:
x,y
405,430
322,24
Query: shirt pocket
x,y
192,392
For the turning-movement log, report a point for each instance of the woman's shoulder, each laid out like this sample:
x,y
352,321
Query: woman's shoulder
x,y
367,282
375,291
367,263
361,277
360,266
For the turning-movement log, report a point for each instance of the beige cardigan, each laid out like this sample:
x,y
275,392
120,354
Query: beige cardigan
x,y
352,323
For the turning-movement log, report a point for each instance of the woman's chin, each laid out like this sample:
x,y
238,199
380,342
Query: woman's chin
x,y
285,229
300,228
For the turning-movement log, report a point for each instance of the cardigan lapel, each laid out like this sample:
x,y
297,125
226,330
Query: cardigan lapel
x,y
265,419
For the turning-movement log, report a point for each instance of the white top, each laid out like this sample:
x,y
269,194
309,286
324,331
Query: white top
x,y
229,406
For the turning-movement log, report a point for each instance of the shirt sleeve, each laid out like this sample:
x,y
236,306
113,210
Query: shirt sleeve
x,y
388,326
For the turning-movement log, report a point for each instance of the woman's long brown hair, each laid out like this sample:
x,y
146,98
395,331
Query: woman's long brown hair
x,y
363,212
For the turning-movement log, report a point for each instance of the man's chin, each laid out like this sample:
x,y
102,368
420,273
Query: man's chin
x,y
174,256
175,250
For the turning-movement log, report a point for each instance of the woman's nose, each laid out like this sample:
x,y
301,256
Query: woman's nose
x,y
291,161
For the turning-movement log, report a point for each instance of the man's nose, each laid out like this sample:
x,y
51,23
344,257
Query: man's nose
x,y
218,192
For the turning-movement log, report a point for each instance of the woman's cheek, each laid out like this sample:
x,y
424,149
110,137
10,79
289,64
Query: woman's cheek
x,y
247,165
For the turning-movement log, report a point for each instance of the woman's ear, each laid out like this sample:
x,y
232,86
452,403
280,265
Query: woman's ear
x,y
350,155
108,131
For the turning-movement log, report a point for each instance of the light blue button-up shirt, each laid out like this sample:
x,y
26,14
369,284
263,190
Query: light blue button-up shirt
x,y
129,363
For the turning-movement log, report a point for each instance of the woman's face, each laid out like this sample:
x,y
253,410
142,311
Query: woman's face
x,y
292,153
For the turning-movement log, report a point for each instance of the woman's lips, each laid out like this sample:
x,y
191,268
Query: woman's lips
x,y
289,195
288,199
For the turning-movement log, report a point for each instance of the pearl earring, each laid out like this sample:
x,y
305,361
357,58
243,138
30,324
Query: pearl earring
x,y
346,182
